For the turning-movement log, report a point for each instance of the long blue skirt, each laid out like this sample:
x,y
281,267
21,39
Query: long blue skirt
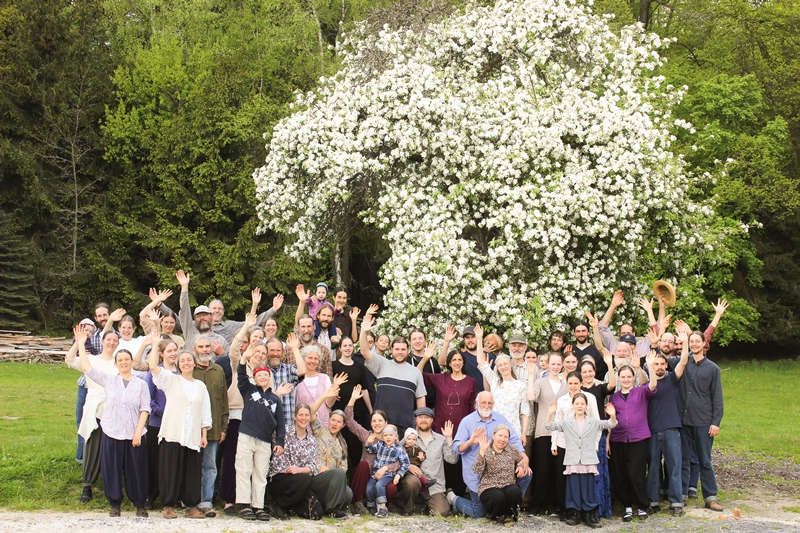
x,y
602,482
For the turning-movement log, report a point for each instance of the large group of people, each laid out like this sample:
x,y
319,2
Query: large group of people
x,y
337,420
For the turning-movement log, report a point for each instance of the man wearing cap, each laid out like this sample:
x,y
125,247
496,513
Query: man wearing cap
x,y
228,328
517,346
212,375
467,348
480,422
438,448
626,332
401,388
201,325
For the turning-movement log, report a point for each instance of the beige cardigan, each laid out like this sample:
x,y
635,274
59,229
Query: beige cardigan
x,y
183,418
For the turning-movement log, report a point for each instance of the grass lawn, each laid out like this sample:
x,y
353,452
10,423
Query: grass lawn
x,y
37,449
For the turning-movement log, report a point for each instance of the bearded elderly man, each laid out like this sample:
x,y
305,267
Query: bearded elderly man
x,y
481,422
290,374
201,325
212,375
305,328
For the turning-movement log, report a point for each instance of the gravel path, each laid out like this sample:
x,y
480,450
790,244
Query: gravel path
x,y
96,522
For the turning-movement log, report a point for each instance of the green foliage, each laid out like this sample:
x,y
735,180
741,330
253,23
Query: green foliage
x,y
18,301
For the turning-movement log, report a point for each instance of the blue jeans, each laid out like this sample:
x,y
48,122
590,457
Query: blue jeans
x,y
668,444
78,415
473,507
695,439
208,474
376,489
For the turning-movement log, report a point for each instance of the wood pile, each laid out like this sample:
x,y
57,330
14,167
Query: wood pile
x,y
22,347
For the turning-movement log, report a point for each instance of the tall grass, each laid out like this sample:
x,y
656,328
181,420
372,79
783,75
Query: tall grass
x,y
37,450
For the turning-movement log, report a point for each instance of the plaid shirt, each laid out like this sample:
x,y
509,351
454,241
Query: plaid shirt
x,y
286,374
296,452
386,455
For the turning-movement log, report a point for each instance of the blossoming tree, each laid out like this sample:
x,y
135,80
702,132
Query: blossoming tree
x,y
516,157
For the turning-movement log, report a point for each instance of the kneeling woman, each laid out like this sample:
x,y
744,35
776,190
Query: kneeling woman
x,y
330,485
291,474
580,434
123,424
497,464
184,424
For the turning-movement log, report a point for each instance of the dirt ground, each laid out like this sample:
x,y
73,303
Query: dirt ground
x,y
758,496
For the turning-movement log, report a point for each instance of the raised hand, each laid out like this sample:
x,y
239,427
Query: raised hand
x,y
292,341
476,435
354,312
277,302
116,315
162,296
651,356
332,391
593,322
721,306
645,304
367,323
618,299
479,331
449,334
284,389
652,335
154,316
255,296
247,353
430,350
183,279
153,294
357,393
611,410
552,408
682,327
484,443
607,358
447,430
372,309
339,379
635,361
250,320
80,333
302,294
663,325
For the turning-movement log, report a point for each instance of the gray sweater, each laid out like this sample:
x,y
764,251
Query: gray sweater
x,y
581,445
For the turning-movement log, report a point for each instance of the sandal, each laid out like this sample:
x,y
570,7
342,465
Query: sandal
x,y
248,514
261,514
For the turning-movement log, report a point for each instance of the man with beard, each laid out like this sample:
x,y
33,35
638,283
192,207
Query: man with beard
x,y
517,346
228,328
325,332
583,347
467,349
401,388
305,328
480,422
438,448
212,375
201,325
284,372
665,428
418,345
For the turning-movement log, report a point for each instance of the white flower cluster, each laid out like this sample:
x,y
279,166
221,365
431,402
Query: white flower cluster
x,y
518,158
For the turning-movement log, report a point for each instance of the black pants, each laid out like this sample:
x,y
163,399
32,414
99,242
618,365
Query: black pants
x,y
91,457
118,459
288,490
152,462
354,449
629,472
544,478
180,474
227,478
561,480
454,478
501,502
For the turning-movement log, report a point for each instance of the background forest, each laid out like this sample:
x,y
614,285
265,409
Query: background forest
x,y
130,129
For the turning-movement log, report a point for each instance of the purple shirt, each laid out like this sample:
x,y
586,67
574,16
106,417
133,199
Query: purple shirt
x,y
123,404
632,414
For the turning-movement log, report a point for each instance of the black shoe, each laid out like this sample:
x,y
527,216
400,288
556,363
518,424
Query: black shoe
x,y
653,509
279,512
628,516
571,517
148,504
86,495
229,511
589,519
338,514
261,514
676,511
692,494
642,515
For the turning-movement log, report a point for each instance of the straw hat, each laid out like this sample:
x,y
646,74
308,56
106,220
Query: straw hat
x,y
666,291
